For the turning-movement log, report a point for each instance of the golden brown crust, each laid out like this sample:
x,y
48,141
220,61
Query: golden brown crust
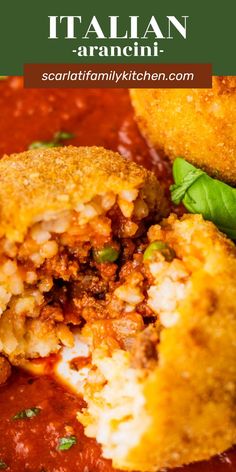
x,y
35,182
197,124
191,396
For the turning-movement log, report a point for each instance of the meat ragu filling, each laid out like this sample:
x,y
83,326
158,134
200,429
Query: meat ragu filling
x,y
152,282
67,271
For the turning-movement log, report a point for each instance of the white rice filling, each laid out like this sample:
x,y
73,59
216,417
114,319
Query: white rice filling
x,y
118,421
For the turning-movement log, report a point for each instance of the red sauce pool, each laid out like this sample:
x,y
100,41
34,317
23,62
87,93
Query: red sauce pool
x,y
95,117
32,444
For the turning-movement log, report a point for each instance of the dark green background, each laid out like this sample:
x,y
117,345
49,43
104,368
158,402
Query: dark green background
x,y
211,32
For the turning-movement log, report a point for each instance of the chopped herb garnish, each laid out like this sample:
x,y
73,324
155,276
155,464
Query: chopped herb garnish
x,y
27,413
57,140
66,443
63,135
42,144
3,464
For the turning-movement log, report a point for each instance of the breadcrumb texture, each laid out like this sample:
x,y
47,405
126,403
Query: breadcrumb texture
x,y
197,124
183,409
35,182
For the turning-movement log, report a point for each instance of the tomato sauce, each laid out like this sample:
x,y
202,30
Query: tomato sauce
x,y
95,117
31,444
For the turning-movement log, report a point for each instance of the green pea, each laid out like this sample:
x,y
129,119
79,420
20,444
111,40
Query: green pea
x,y
200,193
159,246
106,254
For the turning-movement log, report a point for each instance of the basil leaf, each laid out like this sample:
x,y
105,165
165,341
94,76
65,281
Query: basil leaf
x,y
214,199
66,443
3,464
27,413
58,137
178,190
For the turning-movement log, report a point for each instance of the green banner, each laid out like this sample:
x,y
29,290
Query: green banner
x,y
128,31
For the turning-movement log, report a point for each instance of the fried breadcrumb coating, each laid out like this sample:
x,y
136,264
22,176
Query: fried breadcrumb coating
x,y
35,182
197,124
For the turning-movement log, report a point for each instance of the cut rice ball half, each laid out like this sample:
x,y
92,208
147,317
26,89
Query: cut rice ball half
x,y
168,397
69,217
